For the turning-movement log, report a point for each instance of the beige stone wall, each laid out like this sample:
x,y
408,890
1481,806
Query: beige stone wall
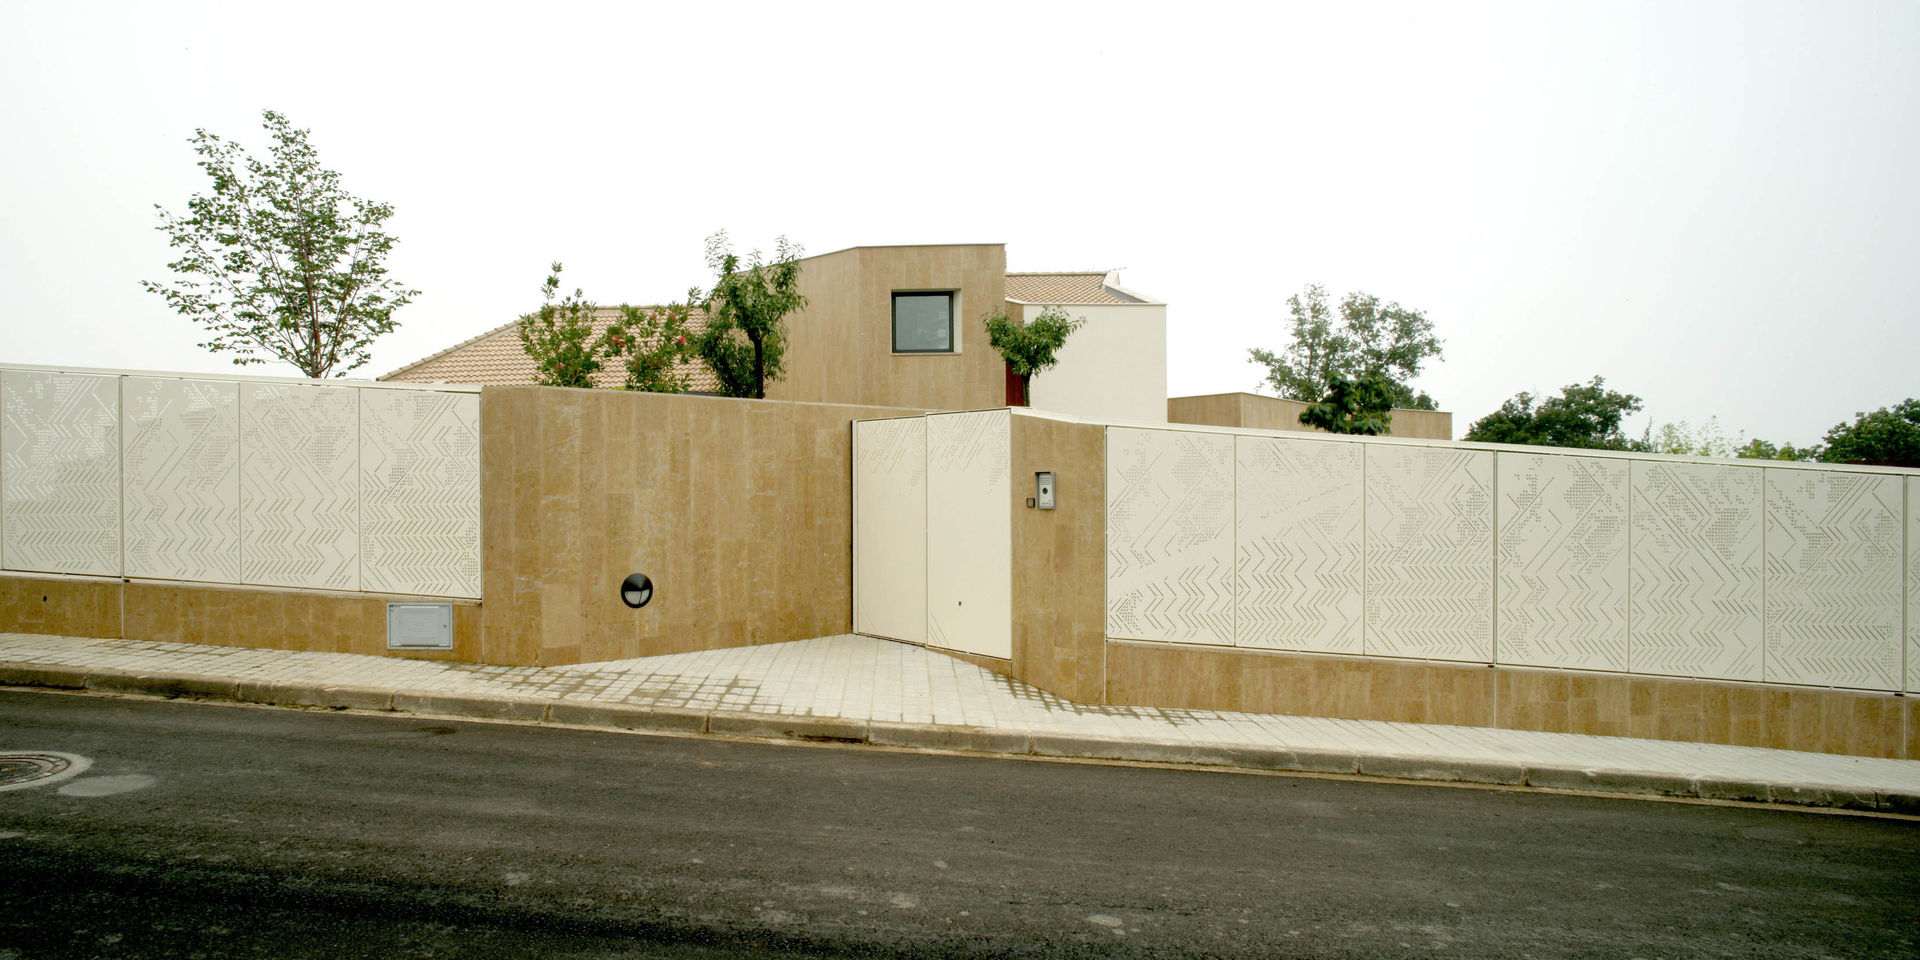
x,y
840,348
1273,413
218,615
1356,688
1060,558
739,510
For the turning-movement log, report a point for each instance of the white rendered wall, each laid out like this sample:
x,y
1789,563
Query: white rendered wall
x,y
1531,557
240,480
970,533
1113,368
890,528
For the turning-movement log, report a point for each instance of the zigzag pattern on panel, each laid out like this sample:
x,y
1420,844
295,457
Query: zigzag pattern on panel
x,y
60,472
890,565
420,492
299,486
969,532
1694,571
182,457
1561,524
1299,524
1170,536
1429,561
1834,572
1913,584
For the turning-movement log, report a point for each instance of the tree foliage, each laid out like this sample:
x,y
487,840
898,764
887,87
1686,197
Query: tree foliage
x,y
1356,406
559,337
1758,449
1583,415
744,342
278,259
1030,347
653,344
1889,435
1368,340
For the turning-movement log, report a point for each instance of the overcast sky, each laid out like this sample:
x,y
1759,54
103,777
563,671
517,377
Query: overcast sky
x,y
1713,205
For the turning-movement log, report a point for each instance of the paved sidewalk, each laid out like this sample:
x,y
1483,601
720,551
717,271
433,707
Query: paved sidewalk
x,y
858,689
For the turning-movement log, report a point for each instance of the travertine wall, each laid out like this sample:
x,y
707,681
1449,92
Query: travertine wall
x,y
841,345
1256,412
739,510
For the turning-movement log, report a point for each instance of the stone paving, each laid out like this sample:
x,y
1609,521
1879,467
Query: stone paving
x,y
868,680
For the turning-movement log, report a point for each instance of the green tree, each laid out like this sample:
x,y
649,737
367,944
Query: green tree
x,y
279,260
654,344
1030,347
1758,449
1583,415
1889,435
559,337
744,342
1368,340
1363,406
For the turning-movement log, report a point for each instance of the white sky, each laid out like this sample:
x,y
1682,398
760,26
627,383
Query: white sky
x,y
1713,205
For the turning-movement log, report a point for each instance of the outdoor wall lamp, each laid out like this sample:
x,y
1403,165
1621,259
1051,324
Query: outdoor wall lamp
x,y
636,590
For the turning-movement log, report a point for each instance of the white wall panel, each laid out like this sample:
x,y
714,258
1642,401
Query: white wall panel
x,y
299,486
60,473
890,528
1561,526
1695,570
970,533
181,450
1429,563
1170,536
1834,579
1913,584
420,492
1299,521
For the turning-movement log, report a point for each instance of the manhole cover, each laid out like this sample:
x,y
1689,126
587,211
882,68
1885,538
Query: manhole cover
x,y
31,769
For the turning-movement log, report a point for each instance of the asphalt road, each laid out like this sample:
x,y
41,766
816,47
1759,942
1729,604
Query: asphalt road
x,y
205,830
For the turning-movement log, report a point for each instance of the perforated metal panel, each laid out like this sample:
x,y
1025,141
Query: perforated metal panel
x,y
1299,523
1429,552
420,493
1834,579
1695,570
1170,536
182,478
970,533
1562,566
299,486
60,473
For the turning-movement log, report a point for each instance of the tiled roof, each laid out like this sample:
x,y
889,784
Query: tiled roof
x,y
1079,287
497,357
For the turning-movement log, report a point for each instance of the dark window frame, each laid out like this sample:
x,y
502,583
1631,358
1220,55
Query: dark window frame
x,y
893,319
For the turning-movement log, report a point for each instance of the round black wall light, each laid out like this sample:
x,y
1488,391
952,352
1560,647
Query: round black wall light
x,y
636,590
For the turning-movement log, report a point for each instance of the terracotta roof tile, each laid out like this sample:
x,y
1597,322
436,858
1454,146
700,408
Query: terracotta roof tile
x,y
1079,287
496,357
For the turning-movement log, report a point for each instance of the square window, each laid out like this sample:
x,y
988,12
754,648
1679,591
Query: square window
x,y
923,322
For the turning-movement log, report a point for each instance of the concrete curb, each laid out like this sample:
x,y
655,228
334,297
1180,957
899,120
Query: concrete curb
x,y
982,740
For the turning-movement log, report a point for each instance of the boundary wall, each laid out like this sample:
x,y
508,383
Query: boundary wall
x,y
1666,597
287,514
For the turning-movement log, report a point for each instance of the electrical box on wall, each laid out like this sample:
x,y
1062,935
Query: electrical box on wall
x,y
419,626
1043,490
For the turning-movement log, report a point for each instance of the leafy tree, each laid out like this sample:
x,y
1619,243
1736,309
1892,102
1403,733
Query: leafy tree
x,y
1583,415
654,343
1363,406
558,337
1679,438
745,338
280,260
1369,340
1030,347
1889,435
1758,449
